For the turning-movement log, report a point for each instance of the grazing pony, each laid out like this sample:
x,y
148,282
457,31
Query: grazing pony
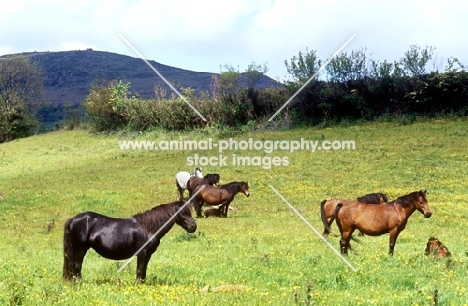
x,y
222,195
376,220
182,178
436,248
327,207
117,238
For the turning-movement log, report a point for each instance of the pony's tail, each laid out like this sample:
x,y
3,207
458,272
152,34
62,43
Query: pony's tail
x,y
324,218
337,210
68,262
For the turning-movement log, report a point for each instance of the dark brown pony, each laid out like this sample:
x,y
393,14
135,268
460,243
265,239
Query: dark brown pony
x,y
327,207
436,248
211,179
222,195
117,239
376,220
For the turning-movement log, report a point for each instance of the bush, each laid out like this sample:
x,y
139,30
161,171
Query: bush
x,y
320,102
101,110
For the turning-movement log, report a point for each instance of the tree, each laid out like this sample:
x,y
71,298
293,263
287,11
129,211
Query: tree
x,y
21,87
303,66
228,80
416,59
346,67
255,73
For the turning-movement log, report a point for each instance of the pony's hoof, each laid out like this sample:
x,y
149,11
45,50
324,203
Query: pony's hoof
x,y
139,281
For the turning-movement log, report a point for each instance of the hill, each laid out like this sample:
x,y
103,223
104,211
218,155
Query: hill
x,y
69,74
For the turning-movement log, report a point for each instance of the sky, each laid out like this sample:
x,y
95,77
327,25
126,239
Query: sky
x,y
205,35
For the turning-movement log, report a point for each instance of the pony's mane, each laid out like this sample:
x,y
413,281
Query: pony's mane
x,y
212,178
373,198
408,200
152,219
231,183
230,186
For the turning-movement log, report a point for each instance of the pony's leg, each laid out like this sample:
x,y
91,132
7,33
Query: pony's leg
x,y
344,242
181,193
197,206
179,190
393,238
78,262
224,209
142,263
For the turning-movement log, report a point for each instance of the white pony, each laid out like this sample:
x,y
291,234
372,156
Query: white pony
x,y
182,178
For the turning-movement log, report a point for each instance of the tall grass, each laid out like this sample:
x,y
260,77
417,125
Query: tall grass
x,y
262,245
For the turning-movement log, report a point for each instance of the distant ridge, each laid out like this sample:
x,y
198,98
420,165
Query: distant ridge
x,y
69,74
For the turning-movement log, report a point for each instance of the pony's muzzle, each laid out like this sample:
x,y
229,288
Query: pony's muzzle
x,y
427,214
191,228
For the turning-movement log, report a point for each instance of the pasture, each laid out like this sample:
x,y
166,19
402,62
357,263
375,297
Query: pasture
x,y
262,253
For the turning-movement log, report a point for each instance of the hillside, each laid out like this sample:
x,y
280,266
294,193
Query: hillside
x,y
69,74
262,246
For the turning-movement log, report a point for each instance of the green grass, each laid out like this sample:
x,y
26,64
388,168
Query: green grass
x,y
262,245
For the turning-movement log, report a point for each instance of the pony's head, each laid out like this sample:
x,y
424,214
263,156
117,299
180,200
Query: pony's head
x,y
184,217
198,172
212,178
245,188
421,204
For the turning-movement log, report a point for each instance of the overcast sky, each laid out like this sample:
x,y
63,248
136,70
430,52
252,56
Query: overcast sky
x,y
201,35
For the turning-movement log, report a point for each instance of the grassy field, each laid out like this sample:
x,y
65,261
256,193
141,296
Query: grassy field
x,y
262,245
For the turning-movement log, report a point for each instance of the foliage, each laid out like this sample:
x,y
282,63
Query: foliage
x,y
302,67
416,59
21,86
344,68
352,87
109,108
228,80
72,115
255,73
359,88
102,108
